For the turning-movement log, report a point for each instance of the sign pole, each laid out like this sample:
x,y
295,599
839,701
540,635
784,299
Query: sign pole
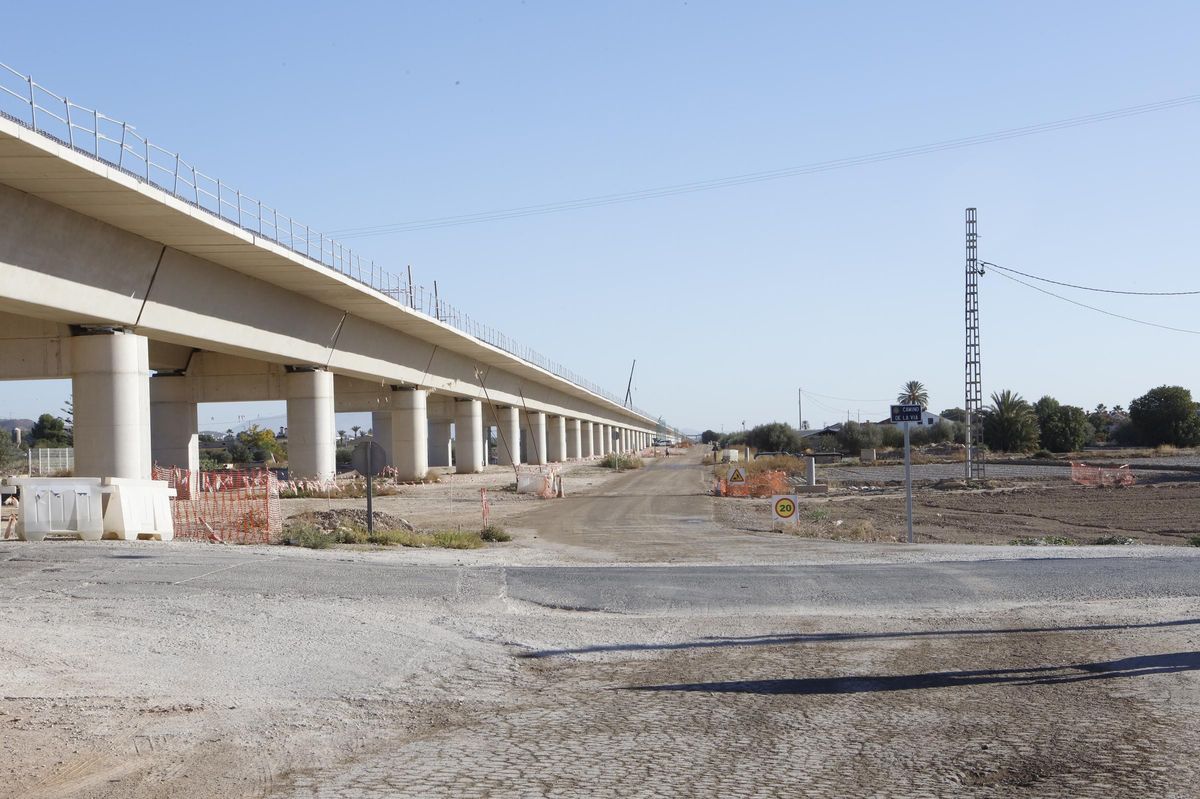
x,y
908,482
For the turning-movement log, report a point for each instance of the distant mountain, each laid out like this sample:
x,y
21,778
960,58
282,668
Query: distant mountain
x,y
8,424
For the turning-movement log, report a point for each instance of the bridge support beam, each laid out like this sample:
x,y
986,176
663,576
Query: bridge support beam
x,y
312,439
174,425
110,383
410,434
381,433
468,436
556,444
535,430
508,436
573,439
441,444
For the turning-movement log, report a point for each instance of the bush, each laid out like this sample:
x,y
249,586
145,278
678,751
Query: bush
x,y
306,535
1043,453
494,533
621,461
709,436
1009,423
1062,428
1194,541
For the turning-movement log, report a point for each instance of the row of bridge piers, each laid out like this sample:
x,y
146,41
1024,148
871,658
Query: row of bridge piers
x,y
127,419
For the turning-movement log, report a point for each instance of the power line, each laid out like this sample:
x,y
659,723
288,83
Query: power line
x,y
806,392
757,177
1099,310
1090,288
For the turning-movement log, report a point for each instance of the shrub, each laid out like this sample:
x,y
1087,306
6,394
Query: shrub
x,y
453,539
774,437
1045,541
1194,541
494,533
621,461
1009,423
1043,453
306,535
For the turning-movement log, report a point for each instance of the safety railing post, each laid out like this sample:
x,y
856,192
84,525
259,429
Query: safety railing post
x,y
70,130
175,186
32,104
147,160
96,130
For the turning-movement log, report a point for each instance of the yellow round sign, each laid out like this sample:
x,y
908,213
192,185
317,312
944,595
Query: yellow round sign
x,y
785,508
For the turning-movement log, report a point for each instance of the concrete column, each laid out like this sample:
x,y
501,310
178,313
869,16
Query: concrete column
x,y
619,441
535,428
174,426
556,439
441,444
468,444
312,439
410,434
381,433
485,431
110,384
587,439
508,436
574,440
597,439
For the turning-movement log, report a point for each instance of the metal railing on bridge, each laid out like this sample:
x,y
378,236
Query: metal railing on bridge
x,y
119,144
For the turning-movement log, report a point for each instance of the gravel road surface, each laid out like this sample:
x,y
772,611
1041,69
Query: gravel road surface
x,y
653,652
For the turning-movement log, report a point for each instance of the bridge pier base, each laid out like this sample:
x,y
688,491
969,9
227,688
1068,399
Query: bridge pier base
x,y
410,434
441,444
312,439
110,384
174,424
468,436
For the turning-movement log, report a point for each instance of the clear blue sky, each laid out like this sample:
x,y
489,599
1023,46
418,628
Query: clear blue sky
x,y
846,282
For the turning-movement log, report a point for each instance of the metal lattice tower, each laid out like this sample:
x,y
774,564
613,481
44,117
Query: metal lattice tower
x,y
974,380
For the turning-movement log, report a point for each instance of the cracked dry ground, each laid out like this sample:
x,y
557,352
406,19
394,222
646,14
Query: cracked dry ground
x,y
943,711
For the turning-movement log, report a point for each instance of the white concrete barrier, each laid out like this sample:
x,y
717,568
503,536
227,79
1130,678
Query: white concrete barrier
x,y
59,505
138,508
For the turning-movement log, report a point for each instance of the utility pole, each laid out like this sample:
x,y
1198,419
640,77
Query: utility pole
x,y
629,387
974,380
800,406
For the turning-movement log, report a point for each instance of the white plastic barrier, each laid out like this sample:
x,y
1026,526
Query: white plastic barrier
x,y
59,505
138,509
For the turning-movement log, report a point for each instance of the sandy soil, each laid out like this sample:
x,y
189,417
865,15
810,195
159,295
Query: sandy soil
x,y
1155,513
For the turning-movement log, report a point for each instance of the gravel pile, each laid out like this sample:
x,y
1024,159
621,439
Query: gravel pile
x,y
330,520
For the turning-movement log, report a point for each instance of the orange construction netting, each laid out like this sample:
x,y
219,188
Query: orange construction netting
x,y
231,506
763,484
1086,475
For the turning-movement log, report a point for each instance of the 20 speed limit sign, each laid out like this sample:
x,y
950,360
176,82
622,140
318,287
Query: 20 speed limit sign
x,y
783,507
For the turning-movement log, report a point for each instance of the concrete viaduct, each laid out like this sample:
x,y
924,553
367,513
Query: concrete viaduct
x,y
152,304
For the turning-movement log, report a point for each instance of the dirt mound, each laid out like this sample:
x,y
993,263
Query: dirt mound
x,y
330,520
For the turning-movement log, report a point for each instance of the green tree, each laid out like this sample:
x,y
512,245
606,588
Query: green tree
x,y
913,393
1009,423
954,415
49,431
709,436
1165,415
774,437
1065,429
260,443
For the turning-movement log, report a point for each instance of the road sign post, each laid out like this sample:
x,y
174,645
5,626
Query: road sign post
x,y
784,507
905,415
368,460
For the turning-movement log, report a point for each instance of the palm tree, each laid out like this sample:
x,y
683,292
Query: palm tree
x,y
913,393
1009,423
341,435
355,428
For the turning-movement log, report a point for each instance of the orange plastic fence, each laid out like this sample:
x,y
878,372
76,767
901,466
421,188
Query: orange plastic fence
x,y
1086,475
763,484
233,506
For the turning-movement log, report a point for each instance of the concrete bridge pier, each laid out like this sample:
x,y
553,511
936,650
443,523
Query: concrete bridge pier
x,y
535,429
312,437
508,436
410,434
110,383
441,443
468,438
587,439
381,433
174,424
573,439
556,445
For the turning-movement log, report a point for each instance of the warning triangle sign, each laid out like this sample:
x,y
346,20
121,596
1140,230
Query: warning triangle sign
x,y
737,475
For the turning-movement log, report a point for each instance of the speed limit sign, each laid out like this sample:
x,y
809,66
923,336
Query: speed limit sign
x,y
783,507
